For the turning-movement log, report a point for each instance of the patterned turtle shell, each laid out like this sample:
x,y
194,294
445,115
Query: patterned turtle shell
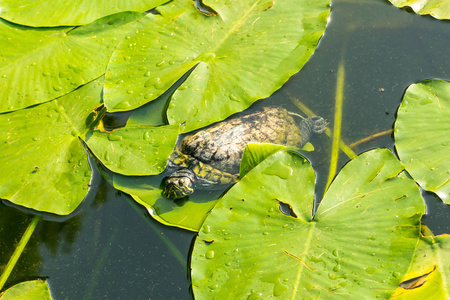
x,y
210,158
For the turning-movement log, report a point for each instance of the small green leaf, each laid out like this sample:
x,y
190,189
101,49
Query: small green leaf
x,y
182,213
255,153
261,241
245,53
422,135
66,13
28,290
440,9
40,64
134,150
41,146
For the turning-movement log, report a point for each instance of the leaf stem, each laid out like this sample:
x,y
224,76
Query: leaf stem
x,y
337,123
18,251
369,138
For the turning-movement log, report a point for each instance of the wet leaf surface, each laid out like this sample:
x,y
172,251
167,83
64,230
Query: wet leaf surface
x,y
63,13
134,150
42,148
422,135
359,243
40,64
241,55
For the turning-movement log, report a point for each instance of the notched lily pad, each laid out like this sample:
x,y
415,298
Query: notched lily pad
x,y
134,150
41,64
183,213
186,213
66,13
42,148
428,276
422,135
243,54
28,290
259,251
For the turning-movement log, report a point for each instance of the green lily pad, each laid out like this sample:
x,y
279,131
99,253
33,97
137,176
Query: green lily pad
x,y
429,268
38,65
255,153
63,13
187,214
42,148
182,213
243,54
134,150
28,290
261,240
422,135
440,9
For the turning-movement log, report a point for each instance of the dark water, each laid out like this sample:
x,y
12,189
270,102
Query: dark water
x,y
111,249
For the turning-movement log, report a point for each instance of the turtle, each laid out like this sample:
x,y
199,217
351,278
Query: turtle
x,y
210,159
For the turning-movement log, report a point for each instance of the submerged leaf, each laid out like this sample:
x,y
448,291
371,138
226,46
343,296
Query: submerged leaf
x,y
422,135
67,13
134,150
38,65
42,148
241,55
428,271
28,290
440,9
261,241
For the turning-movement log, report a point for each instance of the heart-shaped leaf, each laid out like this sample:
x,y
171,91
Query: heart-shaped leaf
x,y
187,214
422,135
243,54
38,64
41,146
66,13
134,150
261,241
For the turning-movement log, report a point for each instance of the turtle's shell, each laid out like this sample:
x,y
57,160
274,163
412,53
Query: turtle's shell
x,y
222,145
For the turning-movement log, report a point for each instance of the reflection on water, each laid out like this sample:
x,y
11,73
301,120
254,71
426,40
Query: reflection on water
x,y
111,249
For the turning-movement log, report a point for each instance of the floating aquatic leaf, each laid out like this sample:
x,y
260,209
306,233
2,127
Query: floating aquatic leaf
x,y
261,241
429,271
440,9
41,147
422,135
241,55
186,214
255,153
28,290
67,13
134,150
38,65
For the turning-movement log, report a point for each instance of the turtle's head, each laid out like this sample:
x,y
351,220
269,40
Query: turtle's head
x,y
179,184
